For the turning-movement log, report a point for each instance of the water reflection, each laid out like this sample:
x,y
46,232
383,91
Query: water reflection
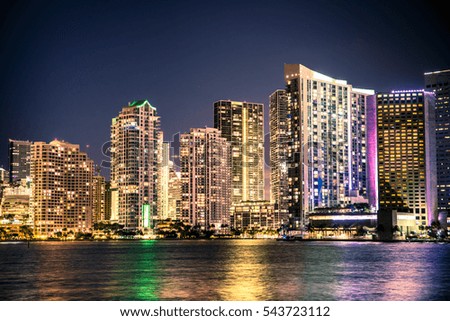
x,y
387,272
244,275
144,272
224,270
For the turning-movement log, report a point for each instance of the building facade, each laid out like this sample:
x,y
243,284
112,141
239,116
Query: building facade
x,y
406,149
163,182
205,178
279,189
61,188
174,194
134,165
4,176
325,124
169,194
108,204
439,83
253,215
99,200
242,124
19,160
15,205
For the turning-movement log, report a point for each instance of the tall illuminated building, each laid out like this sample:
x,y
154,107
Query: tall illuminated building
x,y
163,181
279,189
108,204
403,124
134,165
174,194
326,130
19,160
169,193
242,124
99,199
439,83
205,178
61,188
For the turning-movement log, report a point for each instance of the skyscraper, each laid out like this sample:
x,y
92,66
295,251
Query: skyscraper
x,y
61,196
108,204
406,170
134,165
205,178
99,200
19,160
325,125
279,189
439,83
174,193
169,193
163,182
242,124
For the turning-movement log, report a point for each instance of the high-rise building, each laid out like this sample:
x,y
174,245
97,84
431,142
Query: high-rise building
x,y
108,204
279,189
174,194
134,165
19,160
439,83
403,124
169,193
113,190
205,178
163,182
99,204
62,183
242,124
358,139
325,125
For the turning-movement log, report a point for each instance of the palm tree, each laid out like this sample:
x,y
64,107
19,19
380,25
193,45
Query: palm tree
x,y
2,233
26,232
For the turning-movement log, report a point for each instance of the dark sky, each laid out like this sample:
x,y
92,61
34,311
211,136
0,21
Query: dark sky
x,y
67,67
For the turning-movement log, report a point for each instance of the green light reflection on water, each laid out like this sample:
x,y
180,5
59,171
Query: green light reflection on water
x,y
145,281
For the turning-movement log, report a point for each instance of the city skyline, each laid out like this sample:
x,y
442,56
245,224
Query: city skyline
x,y
74,84
292,152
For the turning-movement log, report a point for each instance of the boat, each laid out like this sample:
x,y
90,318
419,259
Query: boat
x,y
285,237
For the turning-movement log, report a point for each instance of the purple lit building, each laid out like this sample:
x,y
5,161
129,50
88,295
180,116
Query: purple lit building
x,y
439,83
402,157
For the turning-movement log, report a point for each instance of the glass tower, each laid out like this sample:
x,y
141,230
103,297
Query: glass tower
x,y
439,83
326,149
279,191
19,160
242,124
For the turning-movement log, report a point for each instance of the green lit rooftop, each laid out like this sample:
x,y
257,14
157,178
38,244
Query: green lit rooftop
x,y
140,103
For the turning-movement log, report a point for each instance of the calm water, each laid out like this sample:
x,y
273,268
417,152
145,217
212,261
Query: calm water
x,y
224,270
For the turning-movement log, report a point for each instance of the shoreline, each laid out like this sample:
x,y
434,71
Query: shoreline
x,y
444,241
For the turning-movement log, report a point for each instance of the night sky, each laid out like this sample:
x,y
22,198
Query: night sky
x,y
67,67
